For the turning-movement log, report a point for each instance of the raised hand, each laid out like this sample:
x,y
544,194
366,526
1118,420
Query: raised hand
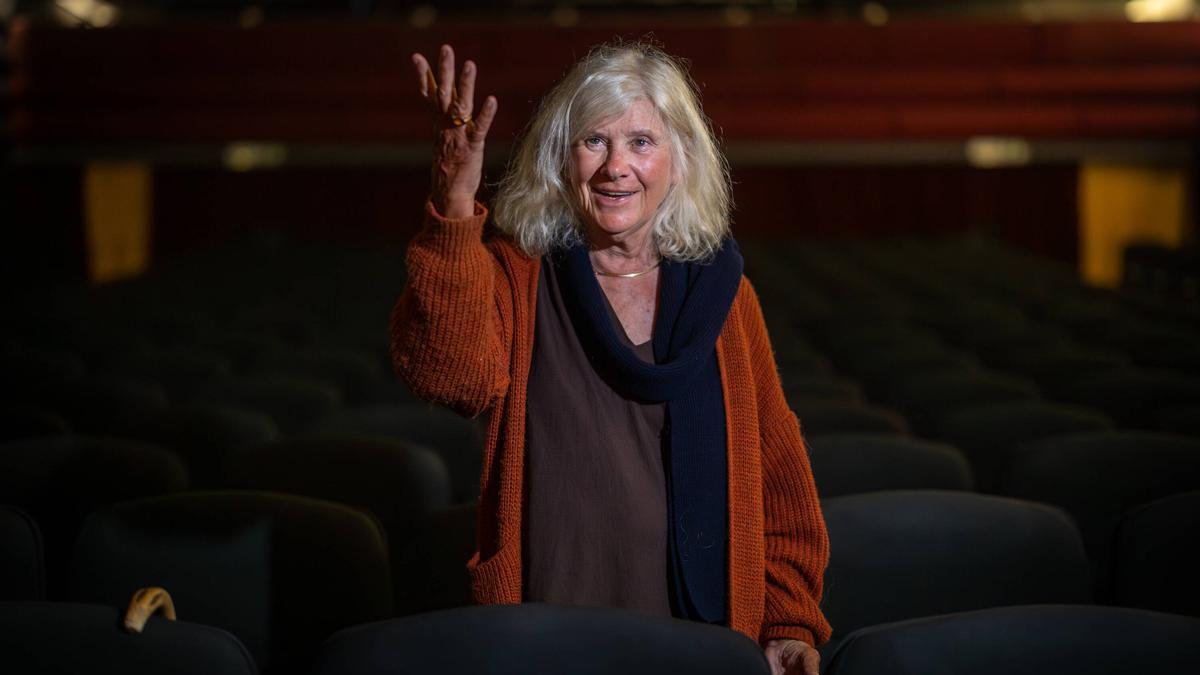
x,y
458,148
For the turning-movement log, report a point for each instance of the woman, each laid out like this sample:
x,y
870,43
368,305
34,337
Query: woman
x,y
639,450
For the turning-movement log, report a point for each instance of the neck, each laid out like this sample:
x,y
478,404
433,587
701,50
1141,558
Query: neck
x,y
624,256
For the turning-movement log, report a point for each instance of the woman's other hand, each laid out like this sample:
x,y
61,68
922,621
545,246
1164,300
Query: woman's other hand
x,y
792,657
458,150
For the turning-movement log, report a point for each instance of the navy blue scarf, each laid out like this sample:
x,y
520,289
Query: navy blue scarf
x,y
693,301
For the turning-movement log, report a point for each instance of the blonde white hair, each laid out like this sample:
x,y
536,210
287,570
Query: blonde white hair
x,y
535,204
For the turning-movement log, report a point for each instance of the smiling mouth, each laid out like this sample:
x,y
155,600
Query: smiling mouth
x,y
611,194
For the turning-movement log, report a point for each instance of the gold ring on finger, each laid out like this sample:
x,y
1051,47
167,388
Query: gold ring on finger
x,y
465,120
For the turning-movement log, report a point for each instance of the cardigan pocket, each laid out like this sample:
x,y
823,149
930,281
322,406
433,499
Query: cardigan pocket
x,y
496,580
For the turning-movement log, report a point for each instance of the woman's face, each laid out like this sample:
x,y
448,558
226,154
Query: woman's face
x,y
622,170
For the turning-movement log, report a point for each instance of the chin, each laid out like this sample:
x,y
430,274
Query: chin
x,y
614,227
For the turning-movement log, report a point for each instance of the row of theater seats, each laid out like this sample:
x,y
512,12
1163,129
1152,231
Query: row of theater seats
x,y
1106,482
1119,489
519,639
929,328
157,428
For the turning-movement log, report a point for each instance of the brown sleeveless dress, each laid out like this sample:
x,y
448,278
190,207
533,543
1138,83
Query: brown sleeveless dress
x,y
595,490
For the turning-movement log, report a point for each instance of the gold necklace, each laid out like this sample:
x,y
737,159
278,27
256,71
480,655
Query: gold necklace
x,y
631,275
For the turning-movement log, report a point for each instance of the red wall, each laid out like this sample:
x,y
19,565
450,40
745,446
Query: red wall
x,y
777,80
202,85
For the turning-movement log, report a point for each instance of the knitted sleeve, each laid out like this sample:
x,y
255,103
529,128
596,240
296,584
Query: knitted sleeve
x,y
447,335
796,543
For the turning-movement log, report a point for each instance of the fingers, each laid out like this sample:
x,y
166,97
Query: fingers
x,y
464,97
426,82
455,101
812,662
445,79
774,658
792,657
483,121
424,75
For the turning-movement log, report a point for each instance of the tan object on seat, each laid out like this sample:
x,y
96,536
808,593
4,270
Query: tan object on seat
x,y
145,602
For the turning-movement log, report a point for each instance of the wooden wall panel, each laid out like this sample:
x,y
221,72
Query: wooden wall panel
x,y
330,83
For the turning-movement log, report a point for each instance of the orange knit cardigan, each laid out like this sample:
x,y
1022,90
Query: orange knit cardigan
x,y
462,336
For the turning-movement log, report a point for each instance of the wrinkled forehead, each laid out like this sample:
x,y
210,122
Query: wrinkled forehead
x,y
639,116
623,117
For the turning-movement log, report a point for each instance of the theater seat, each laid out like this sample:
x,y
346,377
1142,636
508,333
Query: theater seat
x,y
835,417
990,434
354,374
1184,419
401,484
928,398
289,322
204,436
60,479
1099,476
1157,346
1157,547
27,373
1031,640
27,422
281,573
537,638
169,323
431,570
798,364
855,463
242,348
1055,369
1132,396
1006,349
821,387
91,404
458,441
862,341
295,404
881,373
22,566
180,370
80,639
905,554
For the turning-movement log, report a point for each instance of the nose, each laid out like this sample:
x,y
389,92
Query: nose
x,y
615,166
